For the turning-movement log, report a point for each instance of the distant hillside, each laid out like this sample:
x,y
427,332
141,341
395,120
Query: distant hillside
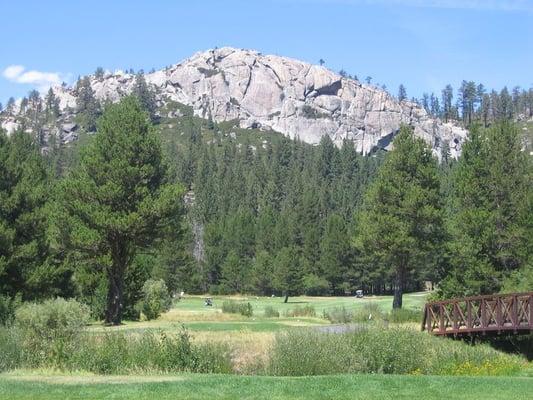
x,y
259,91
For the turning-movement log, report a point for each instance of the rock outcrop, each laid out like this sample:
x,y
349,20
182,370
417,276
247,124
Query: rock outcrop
x,y
289,96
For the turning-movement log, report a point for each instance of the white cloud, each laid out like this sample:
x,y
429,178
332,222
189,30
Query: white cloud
x,y
39,79
13,71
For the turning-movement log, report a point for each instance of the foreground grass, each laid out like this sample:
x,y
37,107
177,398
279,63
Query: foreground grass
x,y
21,385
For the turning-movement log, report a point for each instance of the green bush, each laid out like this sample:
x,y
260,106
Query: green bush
x,y
382,350
7,309
58,318
237,307
271,312
49,330
155,299
305,311
338,315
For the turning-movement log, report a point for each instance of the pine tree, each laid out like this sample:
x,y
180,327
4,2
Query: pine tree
x,y
447,99
400,225
335,254
233,274
52,105
119,199
402,93
145,94
288,272
491,213
86,104
26,267
262,273
10,106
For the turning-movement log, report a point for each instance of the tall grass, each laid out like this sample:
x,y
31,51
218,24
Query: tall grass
x,y
371,312
270,312
52,335
305,311
115,353
237,307
382,350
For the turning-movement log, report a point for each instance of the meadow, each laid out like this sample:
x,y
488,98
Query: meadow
x,y
198,352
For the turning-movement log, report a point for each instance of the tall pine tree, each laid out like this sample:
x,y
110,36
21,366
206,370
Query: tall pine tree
x,y
119,200
400,226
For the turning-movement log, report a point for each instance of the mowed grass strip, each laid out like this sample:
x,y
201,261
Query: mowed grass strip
x,y
18,386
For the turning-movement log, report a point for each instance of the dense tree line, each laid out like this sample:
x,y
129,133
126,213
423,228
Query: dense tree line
x,y
277,215
473,103
265,215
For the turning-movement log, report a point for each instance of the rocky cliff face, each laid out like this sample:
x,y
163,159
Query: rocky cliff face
x,y
279,93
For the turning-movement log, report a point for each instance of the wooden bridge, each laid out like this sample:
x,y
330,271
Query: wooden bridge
x,y
480,315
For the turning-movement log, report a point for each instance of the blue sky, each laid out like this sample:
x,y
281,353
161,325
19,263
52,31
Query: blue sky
x,y
423,44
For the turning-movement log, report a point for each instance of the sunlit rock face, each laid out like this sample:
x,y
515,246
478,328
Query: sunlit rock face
x,y
289,96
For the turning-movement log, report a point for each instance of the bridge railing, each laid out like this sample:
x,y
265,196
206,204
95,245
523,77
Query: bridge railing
x,y
480,314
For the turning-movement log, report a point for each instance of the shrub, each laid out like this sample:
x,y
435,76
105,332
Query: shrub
x,y
305,311
155,299
7,309
382,350
338,315
271,312
310,112
237,307
49,330
247,310
58,318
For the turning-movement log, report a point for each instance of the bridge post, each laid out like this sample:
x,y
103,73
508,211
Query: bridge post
x,y
530,304
483,306
455,316
442,328
499,306
514,316
468,314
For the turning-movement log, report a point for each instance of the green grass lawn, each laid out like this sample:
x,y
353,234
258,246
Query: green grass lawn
x,y
196,303
21,385
196,317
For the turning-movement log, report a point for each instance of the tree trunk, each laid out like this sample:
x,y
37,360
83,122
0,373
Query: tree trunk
x,y
286,297
113,314
398,288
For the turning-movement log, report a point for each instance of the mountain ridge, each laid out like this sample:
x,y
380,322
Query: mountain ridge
x,y
283,94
